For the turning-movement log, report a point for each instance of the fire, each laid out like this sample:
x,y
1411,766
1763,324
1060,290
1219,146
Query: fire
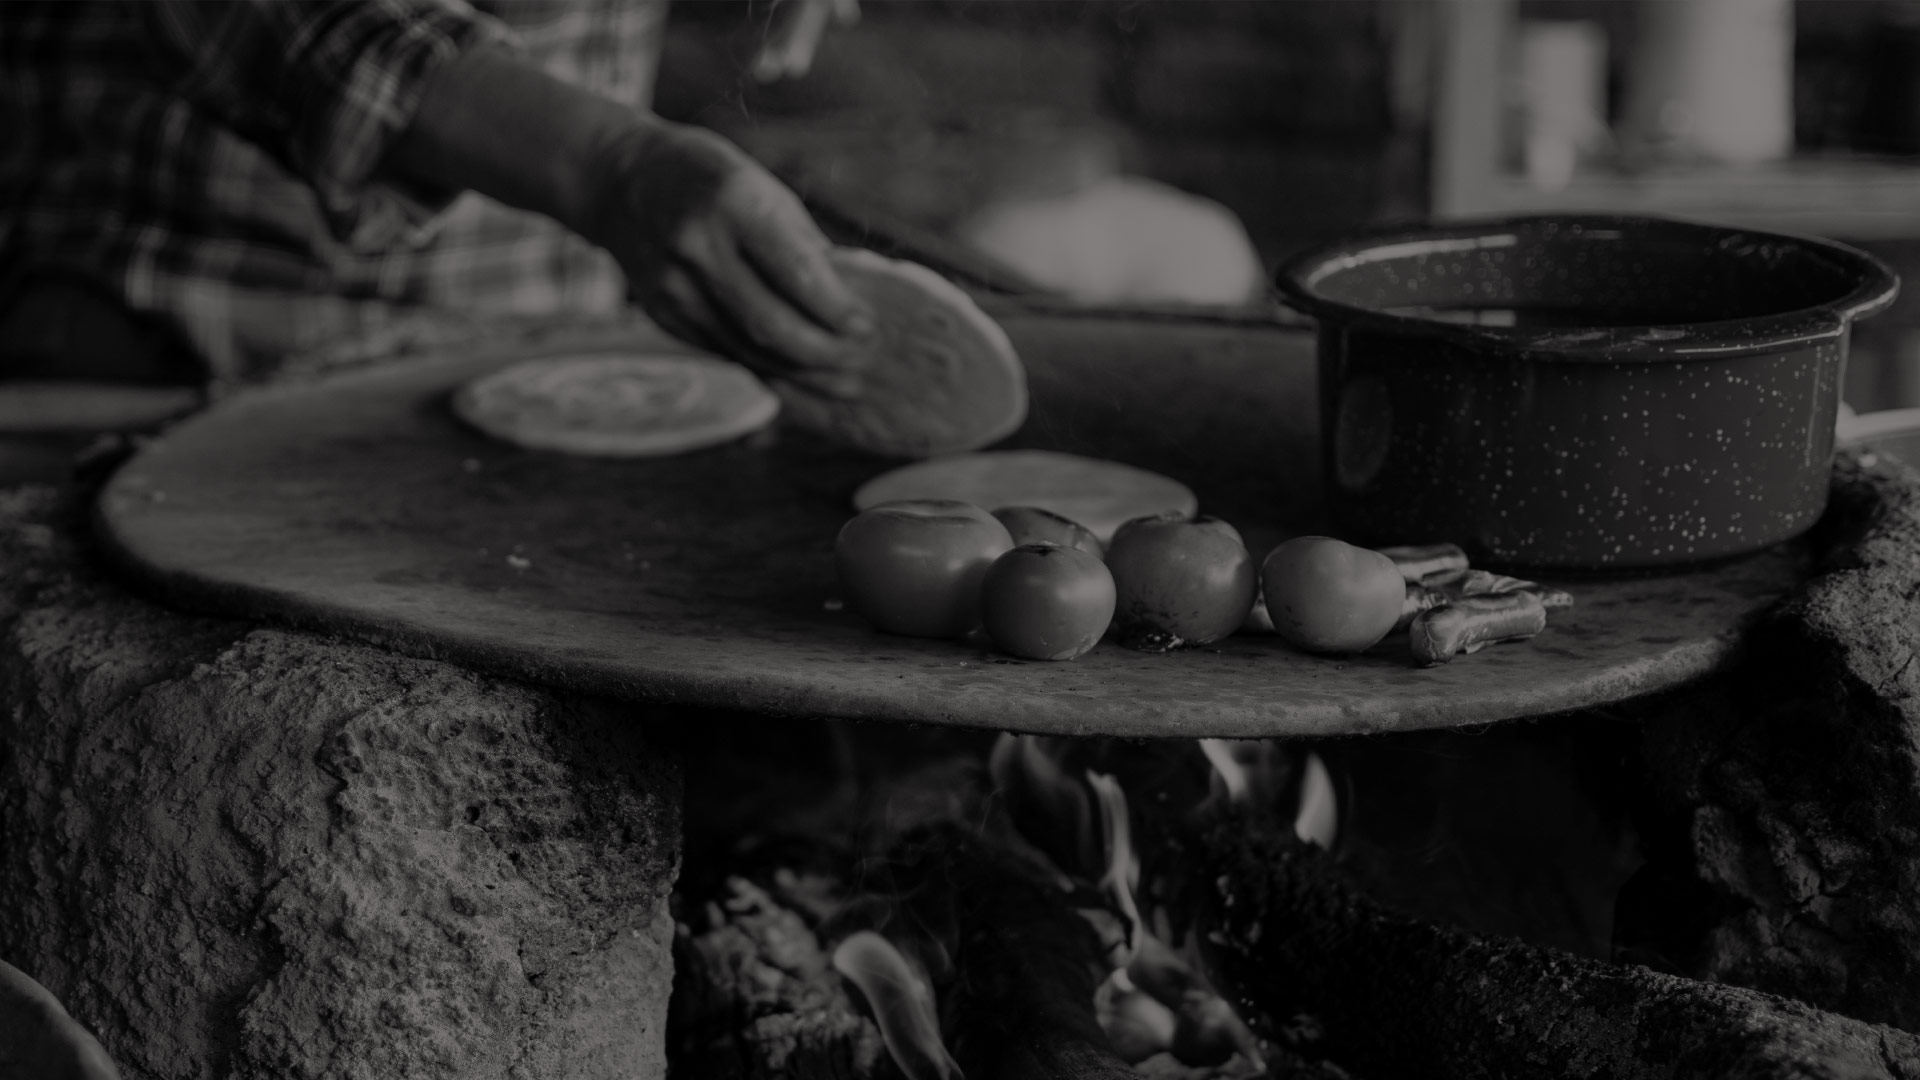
x,y
1249,775
1122,874
1136,1023
1232,774
1154,999
1318,819
902,1003
1053,811
981,895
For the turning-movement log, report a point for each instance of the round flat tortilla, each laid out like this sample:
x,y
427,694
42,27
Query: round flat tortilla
x,y
1101,495
618,405
941,376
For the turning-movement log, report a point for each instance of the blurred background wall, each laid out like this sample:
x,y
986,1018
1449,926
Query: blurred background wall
x,y
1303,119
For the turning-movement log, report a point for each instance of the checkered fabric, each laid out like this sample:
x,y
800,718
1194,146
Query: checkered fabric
x,y
218,163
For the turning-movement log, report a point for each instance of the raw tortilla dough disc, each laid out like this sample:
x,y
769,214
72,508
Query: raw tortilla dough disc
x,y
942,376
1102,495
618,405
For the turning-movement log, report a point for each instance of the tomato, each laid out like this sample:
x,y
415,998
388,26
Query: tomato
x,y
1328,596
1180,582
1047,602
1032,525
914,567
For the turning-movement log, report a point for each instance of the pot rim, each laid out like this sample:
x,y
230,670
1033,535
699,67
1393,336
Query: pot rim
x,y
1298,277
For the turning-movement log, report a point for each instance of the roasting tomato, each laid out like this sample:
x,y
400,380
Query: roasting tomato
x,y
1032,525
1328,596
1180,582
1047,601
914,567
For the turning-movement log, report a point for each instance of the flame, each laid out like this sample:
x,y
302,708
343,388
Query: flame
x,y
1244,769
1318,819
1150,970
1122,875
1154,998
1205,1021
902,1004
1136,1024
1232,774
1048,808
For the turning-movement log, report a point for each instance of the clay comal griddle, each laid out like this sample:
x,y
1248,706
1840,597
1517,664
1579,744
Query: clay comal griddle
x,y
357,504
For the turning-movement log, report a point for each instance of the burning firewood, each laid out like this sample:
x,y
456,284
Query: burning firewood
x,y
755,995
867,901
1021,999
1155,1003
1395,996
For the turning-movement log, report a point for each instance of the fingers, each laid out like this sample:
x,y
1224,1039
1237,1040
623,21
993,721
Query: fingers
x,y
676,305
727,257
783,244
685,308
768,320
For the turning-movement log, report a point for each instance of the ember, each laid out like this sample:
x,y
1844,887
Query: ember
x,y
992,907
937,905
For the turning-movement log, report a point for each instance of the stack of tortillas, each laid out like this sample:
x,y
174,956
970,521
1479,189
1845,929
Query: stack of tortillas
x,y
939,376
1101,495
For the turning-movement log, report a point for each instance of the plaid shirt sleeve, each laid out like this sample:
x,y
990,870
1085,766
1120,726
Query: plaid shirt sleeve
x,y
326,85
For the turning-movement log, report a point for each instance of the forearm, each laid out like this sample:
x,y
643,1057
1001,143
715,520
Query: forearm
x,y
494,123
713,246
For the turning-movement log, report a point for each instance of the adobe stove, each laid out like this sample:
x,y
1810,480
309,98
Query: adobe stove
x,y
449,777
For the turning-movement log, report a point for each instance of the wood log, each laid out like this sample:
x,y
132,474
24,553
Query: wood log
x,y
755,996
898,815
1395,996
1019,1003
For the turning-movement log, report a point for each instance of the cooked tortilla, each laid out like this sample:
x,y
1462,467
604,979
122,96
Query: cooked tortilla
x,y
1101,495
618,405
940,375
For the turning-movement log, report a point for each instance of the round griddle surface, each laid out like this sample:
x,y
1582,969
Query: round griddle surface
x,y
358,505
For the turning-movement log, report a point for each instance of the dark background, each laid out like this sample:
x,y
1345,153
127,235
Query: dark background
x,y
1307,118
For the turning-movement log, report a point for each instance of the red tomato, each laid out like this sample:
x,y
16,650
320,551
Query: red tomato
x,y
1328,596
1047,602
1032,525
1180,582
914,567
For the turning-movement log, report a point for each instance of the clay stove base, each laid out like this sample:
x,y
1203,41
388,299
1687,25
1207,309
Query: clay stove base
x,y
252,853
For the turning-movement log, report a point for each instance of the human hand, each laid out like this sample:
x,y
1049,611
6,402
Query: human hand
x,y
793,35
38,1039
723,255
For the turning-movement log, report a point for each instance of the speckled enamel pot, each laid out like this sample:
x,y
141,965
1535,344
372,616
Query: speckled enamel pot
x,y
1582,391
